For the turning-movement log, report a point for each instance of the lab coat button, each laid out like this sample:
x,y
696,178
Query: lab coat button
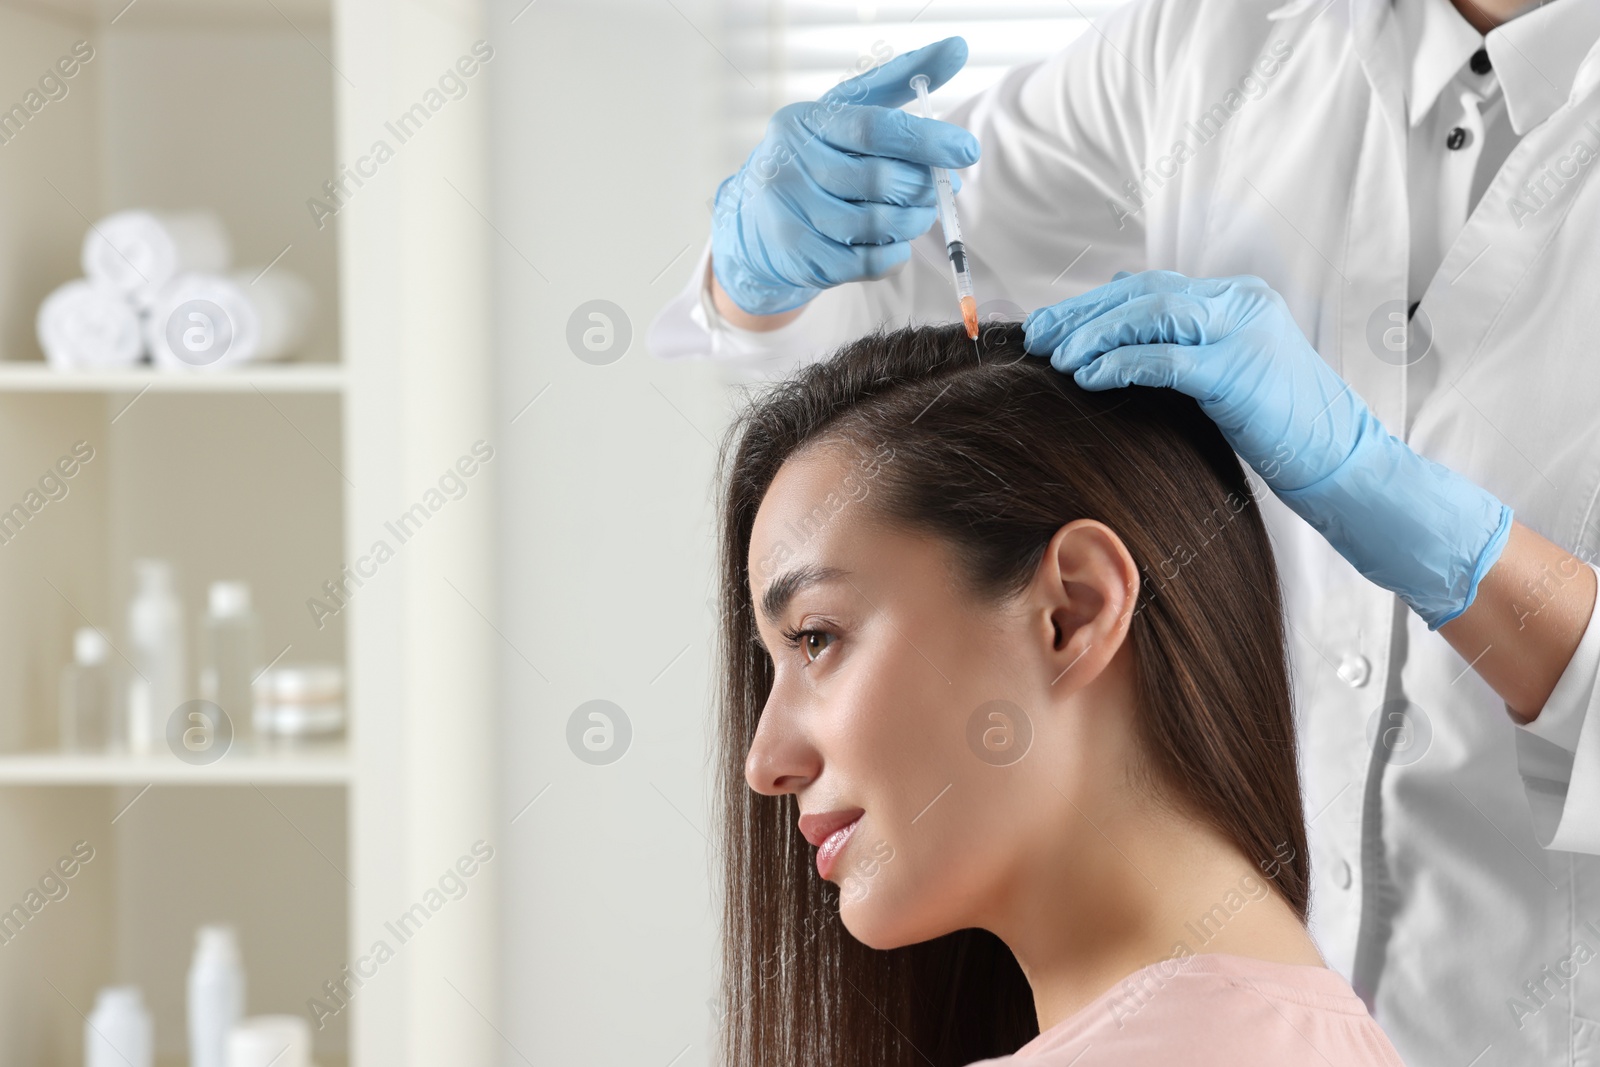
x,y
1342,874
1354,670
1480,61
1459,137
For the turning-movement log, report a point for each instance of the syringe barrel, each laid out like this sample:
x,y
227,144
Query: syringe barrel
x,y
941,177
954,247
947,205
958,267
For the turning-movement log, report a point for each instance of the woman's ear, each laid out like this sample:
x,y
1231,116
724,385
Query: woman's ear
x,y
1087,587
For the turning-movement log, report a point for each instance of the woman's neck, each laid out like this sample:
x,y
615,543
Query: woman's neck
x,y
1485,15
1154,887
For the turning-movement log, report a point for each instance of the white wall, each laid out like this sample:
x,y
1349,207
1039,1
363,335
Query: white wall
x,y
604,141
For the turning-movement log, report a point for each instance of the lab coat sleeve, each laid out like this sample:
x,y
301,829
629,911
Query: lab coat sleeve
x,y
1558,753
1061,142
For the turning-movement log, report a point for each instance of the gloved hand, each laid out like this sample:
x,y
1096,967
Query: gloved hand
x,y
1412,526
838,187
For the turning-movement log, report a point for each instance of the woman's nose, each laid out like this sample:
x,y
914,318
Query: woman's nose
x,y
780,760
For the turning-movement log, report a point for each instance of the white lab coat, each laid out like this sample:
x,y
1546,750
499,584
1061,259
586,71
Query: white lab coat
x,y
1445,881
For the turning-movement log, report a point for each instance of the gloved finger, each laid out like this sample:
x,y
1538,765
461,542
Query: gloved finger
x,y
1062,317
1157,318
1045,328
1160,366
889,84
1121,274
887,131
820,262
872,179
874,261
850,223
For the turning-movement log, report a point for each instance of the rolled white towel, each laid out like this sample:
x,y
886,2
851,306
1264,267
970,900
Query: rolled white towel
x,y
209,322
89,325
139,252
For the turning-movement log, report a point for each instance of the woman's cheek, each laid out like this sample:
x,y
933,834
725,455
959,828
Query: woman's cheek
x,y
863,871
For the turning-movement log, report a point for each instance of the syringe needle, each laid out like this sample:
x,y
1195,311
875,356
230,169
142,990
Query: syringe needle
x,y
953,245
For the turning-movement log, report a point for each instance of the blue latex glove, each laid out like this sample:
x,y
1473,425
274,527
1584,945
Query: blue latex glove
x,y
838,187
1412,526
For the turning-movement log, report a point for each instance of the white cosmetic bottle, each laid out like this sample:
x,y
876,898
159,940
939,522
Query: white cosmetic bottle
x,y
92,690
216,995
118,1032
230,653
156,644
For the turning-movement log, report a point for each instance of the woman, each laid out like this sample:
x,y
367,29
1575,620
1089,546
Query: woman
x,y
1030,705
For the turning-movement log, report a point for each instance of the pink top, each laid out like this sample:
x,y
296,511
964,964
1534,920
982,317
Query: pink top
x,y
1215,1010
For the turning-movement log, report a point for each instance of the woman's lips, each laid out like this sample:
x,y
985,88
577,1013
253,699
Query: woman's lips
x,y
828,852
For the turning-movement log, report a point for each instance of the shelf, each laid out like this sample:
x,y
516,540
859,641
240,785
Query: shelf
x,y
298,849
323,765
35,376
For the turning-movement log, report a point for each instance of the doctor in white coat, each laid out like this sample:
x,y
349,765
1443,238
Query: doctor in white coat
x,y
1412,368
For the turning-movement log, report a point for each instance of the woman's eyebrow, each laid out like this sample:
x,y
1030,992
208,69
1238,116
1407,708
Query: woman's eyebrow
x,y
784,587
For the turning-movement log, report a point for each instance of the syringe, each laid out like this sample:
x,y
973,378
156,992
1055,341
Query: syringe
x,y
947,222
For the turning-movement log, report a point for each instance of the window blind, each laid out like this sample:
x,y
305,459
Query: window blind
x,y
780,51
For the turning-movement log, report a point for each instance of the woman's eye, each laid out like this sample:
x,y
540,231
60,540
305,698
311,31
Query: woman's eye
x,y
811,643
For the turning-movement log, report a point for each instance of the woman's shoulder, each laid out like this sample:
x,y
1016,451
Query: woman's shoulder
x,y
1214,1009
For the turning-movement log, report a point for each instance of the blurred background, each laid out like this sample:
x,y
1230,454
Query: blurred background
x,y
356,611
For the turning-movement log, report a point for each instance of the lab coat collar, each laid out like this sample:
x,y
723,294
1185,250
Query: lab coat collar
x,y
1543,57
1537,56
1379,52
1437,41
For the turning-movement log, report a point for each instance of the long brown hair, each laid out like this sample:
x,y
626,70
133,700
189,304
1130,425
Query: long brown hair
x,y
994,451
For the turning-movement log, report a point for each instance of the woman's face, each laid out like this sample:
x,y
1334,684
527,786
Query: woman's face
x,y
965,734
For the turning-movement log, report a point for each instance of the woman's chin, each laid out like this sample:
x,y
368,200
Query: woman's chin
x,y
869,932
877,923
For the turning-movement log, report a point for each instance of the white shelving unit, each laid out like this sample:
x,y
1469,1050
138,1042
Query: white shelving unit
x,y
330,765
35,377
277,474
